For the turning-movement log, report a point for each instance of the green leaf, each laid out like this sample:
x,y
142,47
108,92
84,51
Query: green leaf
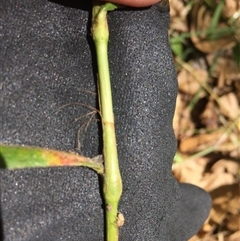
x,y
14,157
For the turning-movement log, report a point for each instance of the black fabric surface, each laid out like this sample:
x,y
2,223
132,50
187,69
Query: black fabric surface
x,y
48,71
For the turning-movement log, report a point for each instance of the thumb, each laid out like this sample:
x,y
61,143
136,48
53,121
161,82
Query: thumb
x,y
134,3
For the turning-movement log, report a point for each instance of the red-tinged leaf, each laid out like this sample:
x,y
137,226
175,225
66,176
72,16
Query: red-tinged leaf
x,y
13,157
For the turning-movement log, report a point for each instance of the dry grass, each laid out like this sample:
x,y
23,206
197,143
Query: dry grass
x,y
205,39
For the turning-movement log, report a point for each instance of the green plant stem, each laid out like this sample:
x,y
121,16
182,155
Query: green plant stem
x,y
112,183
